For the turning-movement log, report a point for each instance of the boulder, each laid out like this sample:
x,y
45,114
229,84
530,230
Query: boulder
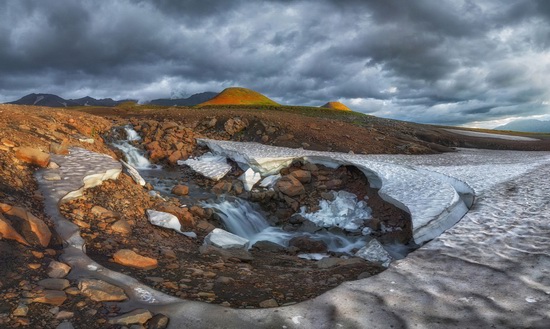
x,y
8,232
302,175
159,321
180,190
290,186
101,291
52,297
225,240
58,270
33,156
54,284
174,157
130,258
60,148
33,228
305,244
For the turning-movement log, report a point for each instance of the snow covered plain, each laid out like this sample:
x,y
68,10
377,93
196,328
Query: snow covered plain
x,y
490,270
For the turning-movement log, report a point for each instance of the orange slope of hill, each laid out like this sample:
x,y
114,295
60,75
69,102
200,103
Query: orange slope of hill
x,y
336,106
239,96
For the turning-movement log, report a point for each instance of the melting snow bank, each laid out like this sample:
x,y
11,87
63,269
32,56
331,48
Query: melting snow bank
x,y
490,135
435,201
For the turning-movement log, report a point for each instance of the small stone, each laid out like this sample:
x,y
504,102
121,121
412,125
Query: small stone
x,y
269,303
52,297
180,190
58,270
302,175
159,321
51,176
38,254
33,266
52,165
101,291
20,310
140,316
65,325
73,291
130,258
290,186
54,284
121,226
63,315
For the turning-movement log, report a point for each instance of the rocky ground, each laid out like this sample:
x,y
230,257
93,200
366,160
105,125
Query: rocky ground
x,y
34,290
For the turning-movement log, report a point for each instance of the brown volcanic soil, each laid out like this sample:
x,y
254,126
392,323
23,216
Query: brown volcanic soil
x,y
21,267
322,129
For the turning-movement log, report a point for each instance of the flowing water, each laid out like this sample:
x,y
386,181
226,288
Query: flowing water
x,y
239,216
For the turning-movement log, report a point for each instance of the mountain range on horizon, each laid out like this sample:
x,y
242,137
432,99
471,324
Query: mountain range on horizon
x,y
51,100
526,125
230,96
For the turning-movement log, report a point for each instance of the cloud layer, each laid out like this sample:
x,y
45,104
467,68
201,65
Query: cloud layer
x,y
447,62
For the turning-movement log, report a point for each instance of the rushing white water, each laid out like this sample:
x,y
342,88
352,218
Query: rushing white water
x,y
240,218
131,134
133,154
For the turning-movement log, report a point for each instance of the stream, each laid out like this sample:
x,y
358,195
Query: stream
x,y
246,220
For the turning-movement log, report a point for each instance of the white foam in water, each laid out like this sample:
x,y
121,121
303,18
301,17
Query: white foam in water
x,y
131,134
344,212
133,154
240,218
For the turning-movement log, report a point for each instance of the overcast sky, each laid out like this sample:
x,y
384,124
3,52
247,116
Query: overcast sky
x,y
478,63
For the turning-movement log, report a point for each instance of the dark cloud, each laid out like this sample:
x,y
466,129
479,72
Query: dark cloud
x,y
449,62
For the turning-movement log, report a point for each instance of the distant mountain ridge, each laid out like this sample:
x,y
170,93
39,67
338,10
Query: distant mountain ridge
x,y
527,125
51,100
189,101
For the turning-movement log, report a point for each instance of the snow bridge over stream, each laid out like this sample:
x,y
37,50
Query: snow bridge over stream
x,y
491,269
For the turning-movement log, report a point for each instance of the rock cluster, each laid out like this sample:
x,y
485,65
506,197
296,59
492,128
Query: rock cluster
x,y
166,141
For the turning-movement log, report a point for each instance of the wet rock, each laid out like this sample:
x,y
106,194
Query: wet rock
x,y
222,187
139,315
158,321
225,240
334,184
302,175
54,284
130,258
329,196
180,190
329,262
174,157
268,246
101,291
269,303
227,254
305,244
58,270
51,176
290,186
33,156
52,297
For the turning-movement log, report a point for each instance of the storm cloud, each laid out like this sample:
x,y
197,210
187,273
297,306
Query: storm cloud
x,y
445,62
